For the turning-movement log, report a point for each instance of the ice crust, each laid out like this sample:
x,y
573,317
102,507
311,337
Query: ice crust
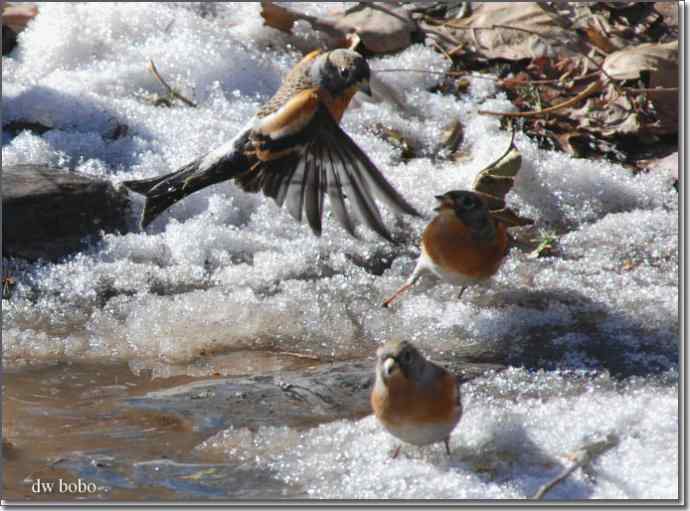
x,y
228,270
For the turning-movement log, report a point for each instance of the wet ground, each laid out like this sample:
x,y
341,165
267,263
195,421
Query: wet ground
x,y
68,423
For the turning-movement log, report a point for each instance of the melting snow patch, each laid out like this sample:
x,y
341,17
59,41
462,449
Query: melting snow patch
x,y
515,435
222,256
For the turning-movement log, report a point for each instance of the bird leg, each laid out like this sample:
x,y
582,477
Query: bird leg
x,y
461,292
399,292
396,452
447,444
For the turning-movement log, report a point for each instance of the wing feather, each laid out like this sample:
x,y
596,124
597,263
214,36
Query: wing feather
x,y
335,192
312,190
324,160
295,191
363,205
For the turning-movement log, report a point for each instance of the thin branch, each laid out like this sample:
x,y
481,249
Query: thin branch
x,y
532,32
581,458
172,92
298,355
448,38
442,50
591,89
512,82
441,73
657,89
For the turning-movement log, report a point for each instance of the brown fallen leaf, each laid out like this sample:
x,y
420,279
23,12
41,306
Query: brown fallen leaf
x,y
17,17
380,26
277,17
599,39
660,60
495,181
451,137
511,30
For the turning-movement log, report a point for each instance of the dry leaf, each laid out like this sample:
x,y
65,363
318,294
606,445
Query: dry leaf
x,y
277,17
382,28
660,63
599,39
660,60
451,137
17,17
538,32
495,181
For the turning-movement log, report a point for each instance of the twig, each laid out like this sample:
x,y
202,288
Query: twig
x,y
443,51
591,89
657,89
448,38
298,355
442,73
456,49
532,32
582,457
512,82
172,92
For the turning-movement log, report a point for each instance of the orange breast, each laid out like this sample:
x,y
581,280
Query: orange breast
x,y
403,401
337,105
450,245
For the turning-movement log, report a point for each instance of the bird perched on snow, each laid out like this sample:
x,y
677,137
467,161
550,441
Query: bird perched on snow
x,y
414,399
294,151
468,240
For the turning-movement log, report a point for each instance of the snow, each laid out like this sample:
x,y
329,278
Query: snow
x,y
514,436
230,270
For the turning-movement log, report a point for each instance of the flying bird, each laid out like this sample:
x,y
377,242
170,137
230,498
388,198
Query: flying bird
x,y
294,151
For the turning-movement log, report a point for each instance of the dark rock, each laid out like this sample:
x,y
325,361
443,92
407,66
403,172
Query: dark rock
x,y
49,213
295,399
323,394
9,40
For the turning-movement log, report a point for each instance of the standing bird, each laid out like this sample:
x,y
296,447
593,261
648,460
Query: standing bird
x,y
416,400
468,239
294,151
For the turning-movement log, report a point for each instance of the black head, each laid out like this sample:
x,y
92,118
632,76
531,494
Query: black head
x,y
341,69
467,206
399,355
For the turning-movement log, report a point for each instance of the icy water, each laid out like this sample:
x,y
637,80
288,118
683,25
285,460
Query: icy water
x,y
68,422
224,282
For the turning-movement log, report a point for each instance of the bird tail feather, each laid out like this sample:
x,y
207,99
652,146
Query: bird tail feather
x,y
164,191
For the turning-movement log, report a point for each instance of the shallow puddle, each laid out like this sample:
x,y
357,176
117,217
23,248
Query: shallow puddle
x,y
65,424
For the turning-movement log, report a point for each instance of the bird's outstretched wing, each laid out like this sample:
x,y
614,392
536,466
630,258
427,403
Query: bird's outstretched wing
x,y
329,162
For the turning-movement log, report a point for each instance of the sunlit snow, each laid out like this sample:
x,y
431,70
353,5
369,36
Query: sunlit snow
x,y
230,270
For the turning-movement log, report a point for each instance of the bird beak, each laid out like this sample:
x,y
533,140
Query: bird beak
x,y
389,366
363,86
443,202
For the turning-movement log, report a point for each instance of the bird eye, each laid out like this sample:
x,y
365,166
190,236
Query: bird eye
x,y
468,203
344,72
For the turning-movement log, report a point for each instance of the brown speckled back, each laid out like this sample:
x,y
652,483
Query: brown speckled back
x,y
294,82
